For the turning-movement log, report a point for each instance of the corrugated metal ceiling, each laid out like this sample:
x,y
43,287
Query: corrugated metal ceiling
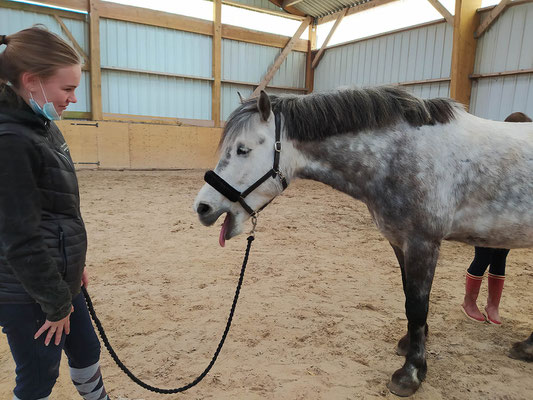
x,y
321,8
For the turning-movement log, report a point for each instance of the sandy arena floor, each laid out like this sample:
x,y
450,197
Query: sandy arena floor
x,y
321,307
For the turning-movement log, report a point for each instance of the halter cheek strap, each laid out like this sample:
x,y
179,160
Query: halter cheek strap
x,y
233,194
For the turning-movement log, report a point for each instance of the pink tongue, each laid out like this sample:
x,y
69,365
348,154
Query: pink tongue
x,y
222,237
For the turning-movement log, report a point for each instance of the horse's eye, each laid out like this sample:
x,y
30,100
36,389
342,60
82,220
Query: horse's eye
x,y
242,150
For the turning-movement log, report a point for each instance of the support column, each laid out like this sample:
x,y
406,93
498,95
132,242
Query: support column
x,y
96,75
466,21
217,61
309,71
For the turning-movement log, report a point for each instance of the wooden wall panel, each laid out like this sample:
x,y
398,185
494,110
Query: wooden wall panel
x,y
119,145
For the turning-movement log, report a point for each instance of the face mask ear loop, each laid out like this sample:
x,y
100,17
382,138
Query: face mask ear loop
x,y
31,96
44,94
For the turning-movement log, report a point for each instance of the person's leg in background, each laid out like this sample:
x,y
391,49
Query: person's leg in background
x,y
474,277
496,278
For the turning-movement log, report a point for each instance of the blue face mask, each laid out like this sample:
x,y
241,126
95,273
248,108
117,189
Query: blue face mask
x,y
48,110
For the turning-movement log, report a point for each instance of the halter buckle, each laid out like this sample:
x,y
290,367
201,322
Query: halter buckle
x,y
277,146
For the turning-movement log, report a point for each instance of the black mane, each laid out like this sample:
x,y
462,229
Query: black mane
x,y
320,115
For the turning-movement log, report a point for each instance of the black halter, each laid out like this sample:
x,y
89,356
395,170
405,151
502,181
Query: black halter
x,y
233,194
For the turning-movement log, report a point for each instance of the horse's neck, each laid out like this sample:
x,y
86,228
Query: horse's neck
x,y
349,163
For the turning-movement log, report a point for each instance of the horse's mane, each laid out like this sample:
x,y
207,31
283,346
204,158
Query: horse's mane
x,y
320,115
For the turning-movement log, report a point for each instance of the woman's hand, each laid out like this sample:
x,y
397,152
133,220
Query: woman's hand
x,y
55,328
85,278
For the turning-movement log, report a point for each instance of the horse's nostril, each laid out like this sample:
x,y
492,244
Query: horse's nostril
x,y
203,208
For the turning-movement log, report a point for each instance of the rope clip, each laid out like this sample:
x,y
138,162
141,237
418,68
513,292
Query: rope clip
x,y
254,225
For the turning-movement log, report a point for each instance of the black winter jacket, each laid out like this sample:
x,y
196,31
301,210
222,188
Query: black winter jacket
x,y
43,241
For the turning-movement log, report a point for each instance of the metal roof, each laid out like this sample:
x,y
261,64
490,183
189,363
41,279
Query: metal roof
x,y
322,8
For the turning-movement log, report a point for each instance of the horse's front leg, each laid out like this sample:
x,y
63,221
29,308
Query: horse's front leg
x,y
420,259
403,344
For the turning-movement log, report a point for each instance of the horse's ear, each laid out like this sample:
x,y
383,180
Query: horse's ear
x,y
241,99
263,104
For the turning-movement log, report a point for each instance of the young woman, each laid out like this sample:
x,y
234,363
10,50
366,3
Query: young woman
x,y
43,241
484,257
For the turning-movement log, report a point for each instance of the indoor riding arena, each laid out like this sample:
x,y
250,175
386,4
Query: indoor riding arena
x,y
321,308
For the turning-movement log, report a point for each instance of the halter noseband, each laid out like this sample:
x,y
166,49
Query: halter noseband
x,y
233,194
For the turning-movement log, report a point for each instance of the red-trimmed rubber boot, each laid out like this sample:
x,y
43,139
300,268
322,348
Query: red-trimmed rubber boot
x,y
493,299
469,306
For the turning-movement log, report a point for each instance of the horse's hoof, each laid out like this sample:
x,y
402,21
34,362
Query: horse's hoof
x,y
522,351
403,346
404,384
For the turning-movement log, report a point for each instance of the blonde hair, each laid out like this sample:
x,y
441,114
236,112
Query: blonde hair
x,y
35,50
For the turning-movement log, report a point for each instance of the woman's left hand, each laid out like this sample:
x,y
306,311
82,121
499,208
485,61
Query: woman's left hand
x,y
85,278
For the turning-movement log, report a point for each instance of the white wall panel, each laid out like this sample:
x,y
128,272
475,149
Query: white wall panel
x,y
149,48
230,98
505,46
496,98
12,21
410,55
248,62
430,90
158,96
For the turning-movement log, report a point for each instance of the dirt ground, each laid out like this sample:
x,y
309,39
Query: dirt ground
x,y
321,307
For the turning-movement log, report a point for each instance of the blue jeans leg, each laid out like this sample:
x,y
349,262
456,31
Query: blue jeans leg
x,y
82,346
37,365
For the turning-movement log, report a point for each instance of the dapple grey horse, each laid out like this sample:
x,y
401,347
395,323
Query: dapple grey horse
x,y
426,169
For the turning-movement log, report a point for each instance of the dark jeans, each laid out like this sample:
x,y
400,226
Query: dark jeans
x,y
37,365
485,256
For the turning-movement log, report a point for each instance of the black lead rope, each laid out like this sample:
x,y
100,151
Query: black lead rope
x,y
206,371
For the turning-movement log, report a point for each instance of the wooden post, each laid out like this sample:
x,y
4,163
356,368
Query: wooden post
x,y
96,77
289,9
73,41
217,61
290,3
466,21
495,13
320,53
309,71
442,10
284,53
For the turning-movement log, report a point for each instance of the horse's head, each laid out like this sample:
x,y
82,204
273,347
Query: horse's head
x,y
247,175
